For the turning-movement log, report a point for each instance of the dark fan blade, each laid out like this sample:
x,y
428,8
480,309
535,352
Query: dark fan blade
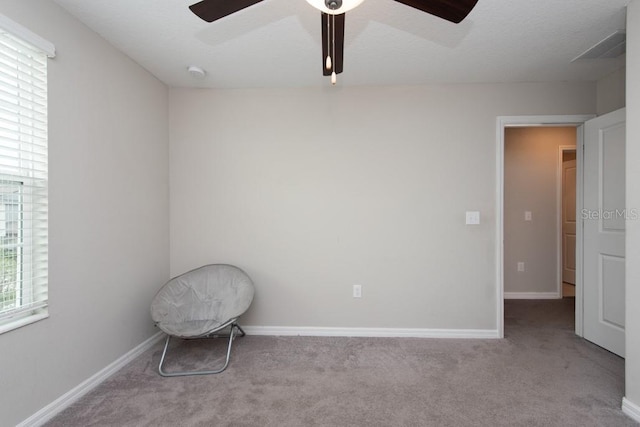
x,y
451,10
329,42
212,10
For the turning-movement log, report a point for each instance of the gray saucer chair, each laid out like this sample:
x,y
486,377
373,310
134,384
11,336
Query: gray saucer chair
x,y
202,303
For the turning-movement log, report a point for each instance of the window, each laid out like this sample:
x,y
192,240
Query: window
x,y
23,176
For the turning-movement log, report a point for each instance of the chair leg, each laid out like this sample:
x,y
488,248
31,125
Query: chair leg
x,y
232,335
241,330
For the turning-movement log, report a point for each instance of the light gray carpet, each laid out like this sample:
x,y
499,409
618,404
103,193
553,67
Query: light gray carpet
x,y
541,374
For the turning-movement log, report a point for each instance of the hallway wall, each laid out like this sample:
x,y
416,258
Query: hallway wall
x,y
531,159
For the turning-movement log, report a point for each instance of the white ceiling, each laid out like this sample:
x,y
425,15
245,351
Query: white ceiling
x,y
276,43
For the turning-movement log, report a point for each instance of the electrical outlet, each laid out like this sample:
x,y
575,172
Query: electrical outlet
x,y
521,266
472,218
527,216
357,291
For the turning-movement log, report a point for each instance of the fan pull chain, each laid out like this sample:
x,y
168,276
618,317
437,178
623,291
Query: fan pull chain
x,y
333,44
328,64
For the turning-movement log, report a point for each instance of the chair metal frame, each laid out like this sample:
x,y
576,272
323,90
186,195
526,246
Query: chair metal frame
x,y
233,324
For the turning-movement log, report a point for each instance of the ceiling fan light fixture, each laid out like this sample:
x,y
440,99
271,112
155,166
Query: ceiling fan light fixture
x,y
332,14
334,7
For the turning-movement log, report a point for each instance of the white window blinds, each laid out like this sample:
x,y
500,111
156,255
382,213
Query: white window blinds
x,y
23,182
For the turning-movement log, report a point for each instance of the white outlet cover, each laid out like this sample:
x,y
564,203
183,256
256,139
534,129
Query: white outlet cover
x,y
473,218
357,291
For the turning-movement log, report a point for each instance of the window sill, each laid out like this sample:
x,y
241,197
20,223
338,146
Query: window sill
x,y
23,321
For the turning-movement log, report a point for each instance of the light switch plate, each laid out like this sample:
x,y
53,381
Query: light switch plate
x,y
473,217
527,215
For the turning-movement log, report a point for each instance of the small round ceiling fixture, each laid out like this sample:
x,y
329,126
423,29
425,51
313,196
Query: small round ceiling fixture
x,y
196,72
334,7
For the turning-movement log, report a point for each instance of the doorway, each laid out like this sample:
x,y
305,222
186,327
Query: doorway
x,y
533,206
600,248
527,121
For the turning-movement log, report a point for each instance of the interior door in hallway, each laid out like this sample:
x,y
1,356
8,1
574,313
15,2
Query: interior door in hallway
x,y
603,218
569,221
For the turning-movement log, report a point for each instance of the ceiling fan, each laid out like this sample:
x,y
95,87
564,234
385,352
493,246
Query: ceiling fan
x,y
332,19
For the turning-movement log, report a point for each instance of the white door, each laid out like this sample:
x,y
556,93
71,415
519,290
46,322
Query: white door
x,y
603,218
569,222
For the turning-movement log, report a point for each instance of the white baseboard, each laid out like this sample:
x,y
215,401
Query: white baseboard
x,y
370,332
67,399
532,295
631,409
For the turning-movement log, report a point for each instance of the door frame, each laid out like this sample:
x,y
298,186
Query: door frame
x,y
503,122
560,207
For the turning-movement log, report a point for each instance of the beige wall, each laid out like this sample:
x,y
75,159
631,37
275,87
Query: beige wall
x,y
108,207
315,190
611,92
531,158
632,322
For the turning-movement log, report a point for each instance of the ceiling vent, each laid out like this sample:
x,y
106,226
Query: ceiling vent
x,y
611,47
